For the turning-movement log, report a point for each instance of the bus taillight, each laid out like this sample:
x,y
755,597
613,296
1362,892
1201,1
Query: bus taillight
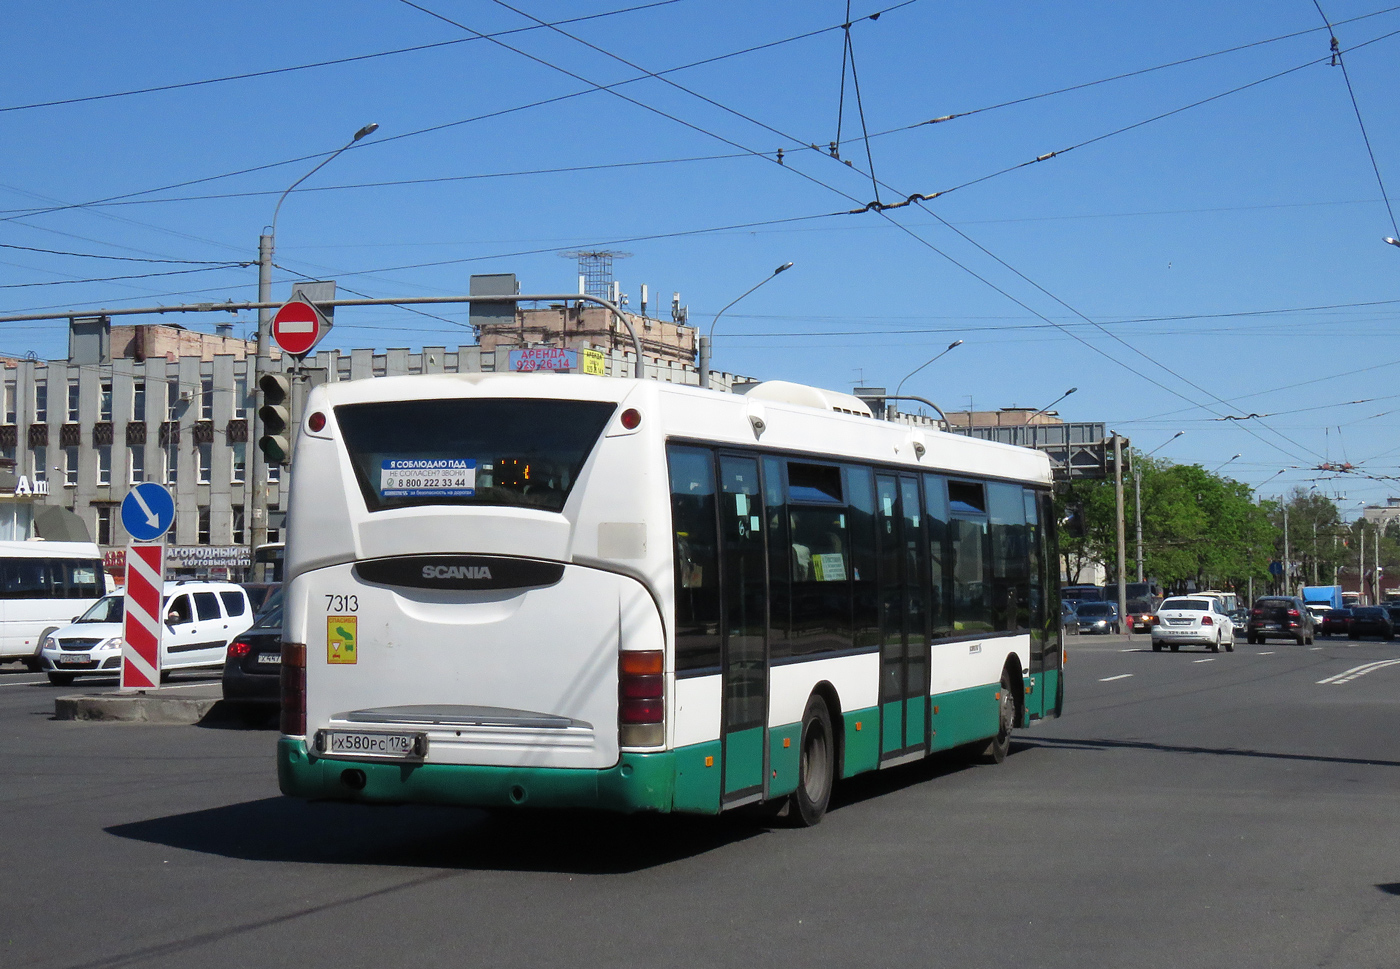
x,y
294,689
641,698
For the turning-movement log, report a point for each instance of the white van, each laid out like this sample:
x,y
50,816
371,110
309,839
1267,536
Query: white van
x,y
44,585
201,619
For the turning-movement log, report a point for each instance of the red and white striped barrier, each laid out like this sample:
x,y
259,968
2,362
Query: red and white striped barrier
x,y
141,628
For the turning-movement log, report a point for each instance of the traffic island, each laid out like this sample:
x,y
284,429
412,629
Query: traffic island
x,y
151,707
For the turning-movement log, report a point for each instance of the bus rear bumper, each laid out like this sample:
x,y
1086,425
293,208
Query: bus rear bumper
x,y
638,782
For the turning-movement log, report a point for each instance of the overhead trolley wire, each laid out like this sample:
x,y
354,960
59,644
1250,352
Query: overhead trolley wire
x,y
306,67
1339,61
1129,74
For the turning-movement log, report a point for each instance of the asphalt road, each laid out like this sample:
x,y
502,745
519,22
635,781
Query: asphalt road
x,y
1191,809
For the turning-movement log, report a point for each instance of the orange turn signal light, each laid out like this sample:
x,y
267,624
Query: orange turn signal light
x,y
642,662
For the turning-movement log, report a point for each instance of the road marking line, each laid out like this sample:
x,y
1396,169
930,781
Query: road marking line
x,y
1210,660
1120,676
1356,672
1268,652
24,683
1315,649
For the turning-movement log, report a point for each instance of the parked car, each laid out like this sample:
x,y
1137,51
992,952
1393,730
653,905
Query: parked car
x,y
1141,614
201,618
253,662
1371,621
1336,622
1098,617
1280,617
1193,620
1239,618
1069,619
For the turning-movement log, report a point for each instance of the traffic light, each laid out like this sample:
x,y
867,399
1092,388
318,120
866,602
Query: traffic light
x,y
276,417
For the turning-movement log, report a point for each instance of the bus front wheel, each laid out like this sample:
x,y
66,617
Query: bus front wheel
x,y
816,771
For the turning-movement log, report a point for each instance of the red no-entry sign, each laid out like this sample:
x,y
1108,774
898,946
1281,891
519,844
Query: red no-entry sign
x,y
299,326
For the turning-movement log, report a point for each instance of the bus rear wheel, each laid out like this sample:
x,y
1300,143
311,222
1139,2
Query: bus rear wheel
x,y
816,770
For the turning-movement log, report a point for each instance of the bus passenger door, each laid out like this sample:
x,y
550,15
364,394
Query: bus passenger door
x,y
744,575
904,648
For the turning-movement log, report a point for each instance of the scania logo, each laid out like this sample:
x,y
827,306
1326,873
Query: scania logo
x,y
457,572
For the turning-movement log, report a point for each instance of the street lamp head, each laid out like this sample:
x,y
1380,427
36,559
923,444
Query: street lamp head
x,y
1072,390
783,268
367,130
1392,241
955,343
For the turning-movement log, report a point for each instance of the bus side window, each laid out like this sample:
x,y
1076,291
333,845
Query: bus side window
x,y
696,553
967,504
1010,580
936,505
860,493
779,545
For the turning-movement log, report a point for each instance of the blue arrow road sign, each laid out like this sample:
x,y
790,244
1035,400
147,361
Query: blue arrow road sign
x,y
148,511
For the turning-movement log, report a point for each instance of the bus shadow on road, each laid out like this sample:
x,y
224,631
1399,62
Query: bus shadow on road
x,y
572,842
1066,743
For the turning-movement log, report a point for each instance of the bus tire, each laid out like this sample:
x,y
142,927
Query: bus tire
x,y
1000,745
61,679
816,770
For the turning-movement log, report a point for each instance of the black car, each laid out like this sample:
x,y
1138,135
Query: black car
x,y
253,663
1279,617
1371,621
1335,622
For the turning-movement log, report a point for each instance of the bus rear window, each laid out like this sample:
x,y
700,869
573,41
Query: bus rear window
x,y
493,451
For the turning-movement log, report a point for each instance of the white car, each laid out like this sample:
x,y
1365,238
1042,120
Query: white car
x,y
201,619
1193,620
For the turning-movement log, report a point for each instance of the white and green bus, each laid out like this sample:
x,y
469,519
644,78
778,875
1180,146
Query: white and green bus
x,y
549,590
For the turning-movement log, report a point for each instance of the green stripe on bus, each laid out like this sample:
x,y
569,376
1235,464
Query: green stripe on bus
x,y
964,715
862,741
638,782
892,726
697,778
743,759
783,760
914,720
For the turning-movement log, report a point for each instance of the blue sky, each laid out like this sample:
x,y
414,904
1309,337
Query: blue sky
x,y
1237,242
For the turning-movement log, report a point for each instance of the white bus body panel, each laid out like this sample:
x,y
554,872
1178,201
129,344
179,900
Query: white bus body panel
x,y
550,650
855,678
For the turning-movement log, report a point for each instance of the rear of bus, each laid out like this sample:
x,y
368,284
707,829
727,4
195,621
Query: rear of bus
x,y
474,572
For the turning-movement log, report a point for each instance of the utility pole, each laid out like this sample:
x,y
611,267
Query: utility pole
x,y
1137,503
1361,567
1122,537
1287,569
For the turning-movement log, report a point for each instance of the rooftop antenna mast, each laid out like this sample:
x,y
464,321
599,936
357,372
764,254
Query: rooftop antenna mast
x,y
595,270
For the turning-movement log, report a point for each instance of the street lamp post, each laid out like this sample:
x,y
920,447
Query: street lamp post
x,y
1137,495
1217,470
704,364
267,244
1052,403
952,346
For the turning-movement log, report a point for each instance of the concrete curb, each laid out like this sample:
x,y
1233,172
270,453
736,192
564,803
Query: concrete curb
x,y
133,708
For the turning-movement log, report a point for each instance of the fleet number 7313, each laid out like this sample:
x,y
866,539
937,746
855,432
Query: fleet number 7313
x,y
342,603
